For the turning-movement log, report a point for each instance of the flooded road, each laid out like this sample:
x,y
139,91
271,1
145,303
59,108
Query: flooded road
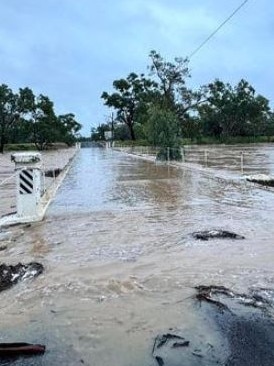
x,y
120,265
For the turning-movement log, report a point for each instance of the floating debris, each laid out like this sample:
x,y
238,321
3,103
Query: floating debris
x,y
257,298
244,327
161,340
170,341
53,173
159,360
21,349
10,275
262,179
180,344
249,333
216,234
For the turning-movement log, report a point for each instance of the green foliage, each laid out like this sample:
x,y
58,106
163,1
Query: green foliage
x,y
98,134
165,87
68,128
121,132
44,123
25,118
140,130
171,78
8,113
269,125
163,131
130,99
173,92
192,127
217,111
233,111
20,147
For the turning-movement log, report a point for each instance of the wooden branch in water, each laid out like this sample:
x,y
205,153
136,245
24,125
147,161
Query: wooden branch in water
x,y
21,349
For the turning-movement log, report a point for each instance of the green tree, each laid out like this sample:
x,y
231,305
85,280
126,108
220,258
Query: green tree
x,y
21,131
173,92
121,132
44,126
44,123
233,111
192,127
9,114
170,79
131,99
269,128
27,118
98,133
68,128
163,131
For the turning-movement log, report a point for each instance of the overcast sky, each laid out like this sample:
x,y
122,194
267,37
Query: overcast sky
x,y
72,50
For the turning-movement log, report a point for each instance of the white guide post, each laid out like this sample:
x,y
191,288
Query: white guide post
x,y
29,184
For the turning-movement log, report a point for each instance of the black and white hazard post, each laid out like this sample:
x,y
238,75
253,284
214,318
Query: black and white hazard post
x,y
29,184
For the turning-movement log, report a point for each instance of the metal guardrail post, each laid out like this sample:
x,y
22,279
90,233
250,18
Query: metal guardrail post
x,y
242,162
183,154
168,154
206,158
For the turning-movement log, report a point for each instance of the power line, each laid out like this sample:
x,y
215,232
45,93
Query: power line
x,y
217,29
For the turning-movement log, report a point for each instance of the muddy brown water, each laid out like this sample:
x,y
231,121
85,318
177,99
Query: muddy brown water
x,y
120,265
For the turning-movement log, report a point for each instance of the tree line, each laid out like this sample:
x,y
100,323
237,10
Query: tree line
x,y
27,118
161,108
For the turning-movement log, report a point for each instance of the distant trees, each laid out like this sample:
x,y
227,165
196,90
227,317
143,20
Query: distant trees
x,y
150,104
130,99
233,111
154,101
68,128
98,133
173,93
25,117
9,113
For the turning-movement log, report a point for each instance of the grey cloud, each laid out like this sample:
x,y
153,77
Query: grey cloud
x,y
73,50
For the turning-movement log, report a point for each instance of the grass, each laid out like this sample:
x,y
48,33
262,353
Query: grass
x,y
20,147
32,147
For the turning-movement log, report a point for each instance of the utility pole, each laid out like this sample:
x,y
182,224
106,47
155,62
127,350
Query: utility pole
x,y
112,130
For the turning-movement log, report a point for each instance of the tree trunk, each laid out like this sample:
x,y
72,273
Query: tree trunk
x,y
2,143
132,133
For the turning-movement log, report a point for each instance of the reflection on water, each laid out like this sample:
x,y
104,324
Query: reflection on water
x,y
120,264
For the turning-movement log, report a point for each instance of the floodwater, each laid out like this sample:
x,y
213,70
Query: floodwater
x,y
120,265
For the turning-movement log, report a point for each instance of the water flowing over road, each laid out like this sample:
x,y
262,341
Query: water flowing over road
x,y
120,265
